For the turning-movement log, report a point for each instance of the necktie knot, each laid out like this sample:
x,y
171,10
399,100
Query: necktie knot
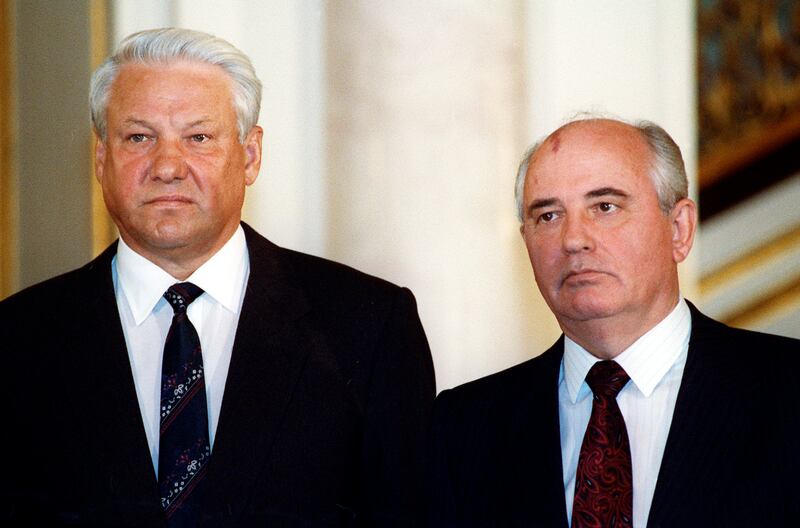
x,y
606,379
181,295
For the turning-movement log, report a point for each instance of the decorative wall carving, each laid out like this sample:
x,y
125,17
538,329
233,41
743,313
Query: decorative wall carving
x,y
748,80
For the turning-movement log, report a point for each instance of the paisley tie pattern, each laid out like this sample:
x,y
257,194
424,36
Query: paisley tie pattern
x,y
603,483
184,447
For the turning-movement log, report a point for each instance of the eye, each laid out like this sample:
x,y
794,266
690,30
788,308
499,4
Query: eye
x,y
605,207
137,138
200,138
547,217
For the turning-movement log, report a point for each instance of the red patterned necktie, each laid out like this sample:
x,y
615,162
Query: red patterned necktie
x,y
603,483
184,447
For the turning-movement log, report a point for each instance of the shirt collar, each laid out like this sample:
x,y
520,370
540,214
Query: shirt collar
x,y
646,361
221,277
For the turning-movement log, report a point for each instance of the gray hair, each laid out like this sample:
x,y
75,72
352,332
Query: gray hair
x,y
170,44
667,169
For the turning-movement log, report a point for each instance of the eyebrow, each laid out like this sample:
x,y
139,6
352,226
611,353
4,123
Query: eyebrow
x,y
201,121
134,121
595,193
142,122
545,202
606,191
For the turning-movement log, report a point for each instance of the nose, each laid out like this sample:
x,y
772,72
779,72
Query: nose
x,y
168,163
577,234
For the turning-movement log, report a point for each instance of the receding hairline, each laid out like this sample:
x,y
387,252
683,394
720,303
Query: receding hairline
x,y
593,124
607,127
667,169
552,142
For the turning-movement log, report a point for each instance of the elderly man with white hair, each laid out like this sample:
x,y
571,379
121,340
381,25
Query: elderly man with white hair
x,y
195,374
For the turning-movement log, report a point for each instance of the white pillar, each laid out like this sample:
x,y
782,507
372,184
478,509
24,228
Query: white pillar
x,y
425,120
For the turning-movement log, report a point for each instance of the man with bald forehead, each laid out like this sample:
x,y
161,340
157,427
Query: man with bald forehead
x,y
645,412
195,374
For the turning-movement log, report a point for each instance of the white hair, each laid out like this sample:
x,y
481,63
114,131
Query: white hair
x,y
667,169
170,44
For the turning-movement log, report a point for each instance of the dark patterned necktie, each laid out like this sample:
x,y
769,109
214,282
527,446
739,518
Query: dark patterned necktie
x,y
184,448
603,483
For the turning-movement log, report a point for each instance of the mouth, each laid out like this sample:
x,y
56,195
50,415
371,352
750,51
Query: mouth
x,y
169,200
581,277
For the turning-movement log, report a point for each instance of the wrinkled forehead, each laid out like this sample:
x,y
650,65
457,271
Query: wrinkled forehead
x,y
180,80
183,74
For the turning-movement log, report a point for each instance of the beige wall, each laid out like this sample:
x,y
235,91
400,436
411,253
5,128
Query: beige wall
x,y
53,137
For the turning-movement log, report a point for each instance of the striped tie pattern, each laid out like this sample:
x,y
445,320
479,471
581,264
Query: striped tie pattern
x,y
184,447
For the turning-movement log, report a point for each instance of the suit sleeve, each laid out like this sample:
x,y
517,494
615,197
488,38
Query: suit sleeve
x,y
439,501
401,392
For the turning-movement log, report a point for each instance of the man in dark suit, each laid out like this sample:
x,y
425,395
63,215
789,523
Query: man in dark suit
x,y
314,380
645,412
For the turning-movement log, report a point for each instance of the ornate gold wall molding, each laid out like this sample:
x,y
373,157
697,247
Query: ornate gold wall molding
x,y
780,302
103,229
769,251
9,253
748,82
753,311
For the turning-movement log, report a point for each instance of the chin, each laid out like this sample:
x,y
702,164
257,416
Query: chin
x,y
169,239
587,309
172,232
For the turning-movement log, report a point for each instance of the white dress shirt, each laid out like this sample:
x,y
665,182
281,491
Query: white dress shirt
x,y
146,316
655,365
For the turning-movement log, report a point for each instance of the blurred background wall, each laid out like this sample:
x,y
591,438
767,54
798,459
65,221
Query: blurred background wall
x,y
392,134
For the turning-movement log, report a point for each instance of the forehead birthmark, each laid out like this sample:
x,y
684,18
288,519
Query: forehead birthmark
x,y
555,141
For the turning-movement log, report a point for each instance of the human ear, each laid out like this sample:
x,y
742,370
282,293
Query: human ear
x,y
99,159
252,151
683,220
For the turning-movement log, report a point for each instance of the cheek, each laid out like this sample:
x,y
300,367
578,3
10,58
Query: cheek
x,y
224,192
643,254
126,172
545,259
213,174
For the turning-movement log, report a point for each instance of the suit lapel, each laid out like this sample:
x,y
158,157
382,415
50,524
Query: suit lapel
x,y
540,472
269,352
703,420
108,397
553,468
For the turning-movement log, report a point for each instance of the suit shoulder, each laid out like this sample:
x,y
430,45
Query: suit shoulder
x,y
707,332
51,291
537,374
337,282
64,294
775,353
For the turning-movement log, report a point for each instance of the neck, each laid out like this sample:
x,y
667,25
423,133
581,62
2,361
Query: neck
x,y
181,261
180,266
608,337
180,269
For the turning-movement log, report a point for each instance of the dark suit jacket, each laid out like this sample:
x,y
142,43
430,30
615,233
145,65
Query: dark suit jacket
x,y
732,456
322,422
